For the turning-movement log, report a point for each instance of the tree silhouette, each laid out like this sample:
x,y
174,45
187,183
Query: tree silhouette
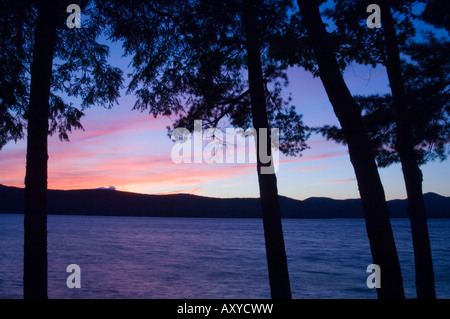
x,y
190,60
413,120
273,233
35,221
52,61
348,112
411,171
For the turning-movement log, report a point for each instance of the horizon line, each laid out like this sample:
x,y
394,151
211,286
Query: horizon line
x,y
111,188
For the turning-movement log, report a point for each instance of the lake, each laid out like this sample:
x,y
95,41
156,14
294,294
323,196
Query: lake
x,y
143,257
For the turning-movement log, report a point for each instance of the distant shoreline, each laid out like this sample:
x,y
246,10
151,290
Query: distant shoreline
x,y
106,202
195,217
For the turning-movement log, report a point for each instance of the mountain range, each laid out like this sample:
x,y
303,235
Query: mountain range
x,y
110,202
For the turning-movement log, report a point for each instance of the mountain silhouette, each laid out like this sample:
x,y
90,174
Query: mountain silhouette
x,y
110,202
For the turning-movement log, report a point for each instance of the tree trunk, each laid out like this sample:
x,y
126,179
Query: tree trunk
x,y
35,221
411,171
348,112
273,232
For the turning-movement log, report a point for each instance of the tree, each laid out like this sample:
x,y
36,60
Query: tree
x,y
273,233
55,59
411,171
429,116
35,221
348,112
418,132
190,60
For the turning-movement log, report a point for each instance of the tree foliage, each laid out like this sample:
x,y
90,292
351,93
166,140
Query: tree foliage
x,y
80,70
189,61
425,66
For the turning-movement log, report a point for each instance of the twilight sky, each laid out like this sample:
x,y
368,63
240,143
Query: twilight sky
x,y
131,151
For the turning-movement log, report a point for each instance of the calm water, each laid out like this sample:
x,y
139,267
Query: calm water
x,y
127,257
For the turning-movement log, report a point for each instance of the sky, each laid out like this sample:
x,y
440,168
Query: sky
x,y
131,151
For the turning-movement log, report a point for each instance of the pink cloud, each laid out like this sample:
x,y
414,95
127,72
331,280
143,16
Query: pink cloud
x,y
117,151
152,174
105,127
